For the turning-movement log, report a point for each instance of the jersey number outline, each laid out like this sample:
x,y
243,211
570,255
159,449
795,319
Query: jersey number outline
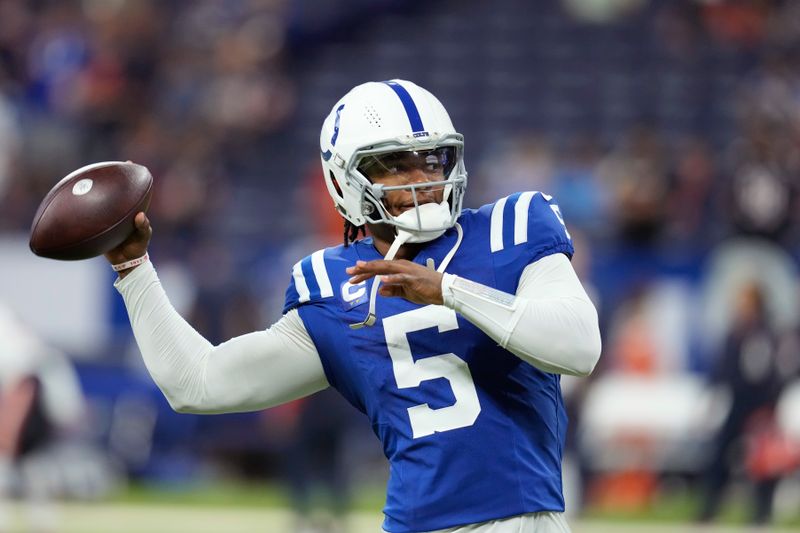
x,y
410,373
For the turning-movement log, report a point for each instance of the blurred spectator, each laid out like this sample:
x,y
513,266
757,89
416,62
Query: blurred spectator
x,y
678,29
693,211
784,25
748,369
523,163
741,22
649,331
9,141
735,263
40,403
764,161
316,466
632,348
636,177
576,183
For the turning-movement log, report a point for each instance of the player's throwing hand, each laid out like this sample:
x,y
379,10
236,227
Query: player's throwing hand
x,y
134,246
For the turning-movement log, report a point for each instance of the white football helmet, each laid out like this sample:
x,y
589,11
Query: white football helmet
x,y
379,118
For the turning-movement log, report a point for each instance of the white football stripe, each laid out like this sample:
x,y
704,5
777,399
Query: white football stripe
x,y
521,217
86,168
324,282
300,282
496,228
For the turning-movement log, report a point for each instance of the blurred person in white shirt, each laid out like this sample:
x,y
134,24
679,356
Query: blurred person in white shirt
x,y
40,401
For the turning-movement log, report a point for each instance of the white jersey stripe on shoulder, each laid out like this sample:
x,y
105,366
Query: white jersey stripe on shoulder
x,y
300,282
496,225
321,273
521,217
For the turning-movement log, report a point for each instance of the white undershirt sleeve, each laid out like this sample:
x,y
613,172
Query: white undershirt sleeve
x,y
246,373
550,322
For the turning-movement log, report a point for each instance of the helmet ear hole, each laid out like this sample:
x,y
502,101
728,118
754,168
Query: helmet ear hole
x,y
336,185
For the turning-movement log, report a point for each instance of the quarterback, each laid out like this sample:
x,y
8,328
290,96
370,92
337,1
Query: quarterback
x,y
448,328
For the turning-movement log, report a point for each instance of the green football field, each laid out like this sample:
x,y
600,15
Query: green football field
x,y
170,518
143,518
237,508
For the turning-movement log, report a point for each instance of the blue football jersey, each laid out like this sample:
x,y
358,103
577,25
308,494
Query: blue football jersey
x,y
472,433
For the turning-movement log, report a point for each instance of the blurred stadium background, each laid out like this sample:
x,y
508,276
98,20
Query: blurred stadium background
x,y
668,130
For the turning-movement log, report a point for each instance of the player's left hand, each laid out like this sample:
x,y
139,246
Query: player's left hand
x,y
402,278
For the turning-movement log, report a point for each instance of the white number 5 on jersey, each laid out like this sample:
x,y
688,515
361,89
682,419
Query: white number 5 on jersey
x,y
410,373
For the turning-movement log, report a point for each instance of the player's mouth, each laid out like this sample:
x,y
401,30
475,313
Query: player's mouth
x,y
405,202
406,207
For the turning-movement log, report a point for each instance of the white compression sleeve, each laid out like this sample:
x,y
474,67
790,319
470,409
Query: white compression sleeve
x,y
251,372
550,322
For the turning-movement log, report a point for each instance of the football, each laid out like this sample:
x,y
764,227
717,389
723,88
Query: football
x,y
91,210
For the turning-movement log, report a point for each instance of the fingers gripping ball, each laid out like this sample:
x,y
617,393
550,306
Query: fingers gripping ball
x,y
91,211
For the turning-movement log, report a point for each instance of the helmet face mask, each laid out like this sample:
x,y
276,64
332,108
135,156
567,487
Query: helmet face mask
x,y
452,182
357,154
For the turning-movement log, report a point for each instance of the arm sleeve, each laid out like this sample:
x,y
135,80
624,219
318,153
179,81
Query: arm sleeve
x,y
549,323
246,373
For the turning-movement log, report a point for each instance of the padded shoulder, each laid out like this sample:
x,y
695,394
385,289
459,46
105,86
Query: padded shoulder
x,y
321,277
310,280
531,220
518,230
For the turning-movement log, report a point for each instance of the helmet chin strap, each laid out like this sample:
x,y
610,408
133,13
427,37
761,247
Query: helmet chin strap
x,y
402,238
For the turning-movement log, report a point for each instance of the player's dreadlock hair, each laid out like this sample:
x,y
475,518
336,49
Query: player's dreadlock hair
x,y
351,232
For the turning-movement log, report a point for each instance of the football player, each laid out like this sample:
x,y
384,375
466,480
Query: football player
x,y
447,328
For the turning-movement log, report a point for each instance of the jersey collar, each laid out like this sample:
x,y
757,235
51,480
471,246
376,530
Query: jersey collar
x,y
436,249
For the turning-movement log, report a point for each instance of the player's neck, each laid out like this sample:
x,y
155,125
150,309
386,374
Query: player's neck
x,y
382,238
407,251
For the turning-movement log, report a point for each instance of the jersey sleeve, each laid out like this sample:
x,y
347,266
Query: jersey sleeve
x,y
309,282
523,228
